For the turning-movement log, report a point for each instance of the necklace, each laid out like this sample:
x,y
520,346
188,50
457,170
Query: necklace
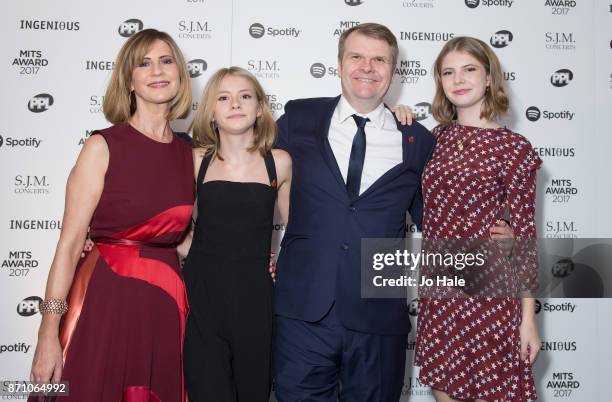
x,y
461,143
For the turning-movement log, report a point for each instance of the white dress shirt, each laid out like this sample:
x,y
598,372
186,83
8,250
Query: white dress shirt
x,y
383,141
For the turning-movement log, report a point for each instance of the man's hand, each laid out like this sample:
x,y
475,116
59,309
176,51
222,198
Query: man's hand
x,y
503,231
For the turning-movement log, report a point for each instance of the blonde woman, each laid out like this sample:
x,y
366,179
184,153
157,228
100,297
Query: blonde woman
x,y
479,348
239,180
113,323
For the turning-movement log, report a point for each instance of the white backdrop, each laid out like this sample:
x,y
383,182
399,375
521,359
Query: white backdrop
x,y
557,58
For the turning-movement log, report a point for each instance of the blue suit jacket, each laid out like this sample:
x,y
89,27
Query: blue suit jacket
x,y
319,262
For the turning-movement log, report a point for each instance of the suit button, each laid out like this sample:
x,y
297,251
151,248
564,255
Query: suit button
x,y
352,208
344,246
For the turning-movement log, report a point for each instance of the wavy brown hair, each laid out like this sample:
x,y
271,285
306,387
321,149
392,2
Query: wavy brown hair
x,y
496,101
119,103
205,131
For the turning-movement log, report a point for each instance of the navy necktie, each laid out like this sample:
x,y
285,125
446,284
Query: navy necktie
x,y
355,168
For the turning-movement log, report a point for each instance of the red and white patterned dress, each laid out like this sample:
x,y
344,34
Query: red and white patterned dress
x,y
469,347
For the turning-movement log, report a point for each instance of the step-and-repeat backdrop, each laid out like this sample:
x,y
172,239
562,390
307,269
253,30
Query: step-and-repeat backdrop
x,y
56,58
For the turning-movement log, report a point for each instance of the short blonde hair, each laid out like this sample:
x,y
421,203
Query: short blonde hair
x,y
119,102
205,132
374,31
496,101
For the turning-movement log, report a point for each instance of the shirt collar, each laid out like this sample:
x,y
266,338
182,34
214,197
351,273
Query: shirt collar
x,y
376,116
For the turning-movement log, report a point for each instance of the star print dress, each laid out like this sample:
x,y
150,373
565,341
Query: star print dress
x,y
469,347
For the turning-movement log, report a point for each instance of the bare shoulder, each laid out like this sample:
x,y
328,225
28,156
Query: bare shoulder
x,y
282,159
198,153
95,144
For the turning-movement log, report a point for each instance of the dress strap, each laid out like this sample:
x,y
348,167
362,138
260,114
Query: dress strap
x,y
271,168
203,169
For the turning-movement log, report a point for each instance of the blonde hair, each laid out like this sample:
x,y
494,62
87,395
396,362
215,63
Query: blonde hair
x,y
496,101
119,102
374,31
205,132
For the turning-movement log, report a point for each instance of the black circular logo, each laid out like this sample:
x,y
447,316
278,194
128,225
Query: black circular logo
x,y
317,70
472,3
40,103
353,2
563,268
538,306
562,77
257,30
129,27
533,113
196,67
29,306
421,111
1,141
501,39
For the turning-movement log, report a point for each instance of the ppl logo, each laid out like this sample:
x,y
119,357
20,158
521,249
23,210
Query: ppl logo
x,y
129,27
421,111
561,78
40,103
533,113
353,2
257,30
501,39
29,306
196,67
317,70
562,268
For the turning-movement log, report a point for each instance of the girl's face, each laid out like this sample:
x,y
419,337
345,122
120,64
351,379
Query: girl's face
x,y
237,106
156,79
464,80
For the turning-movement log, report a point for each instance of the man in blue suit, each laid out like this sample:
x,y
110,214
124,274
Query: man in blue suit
x,y
356,171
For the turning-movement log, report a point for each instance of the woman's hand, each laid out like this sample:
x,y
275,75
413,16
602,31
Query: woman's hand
x,y
48,361
403,113
272,268
503,232
530,340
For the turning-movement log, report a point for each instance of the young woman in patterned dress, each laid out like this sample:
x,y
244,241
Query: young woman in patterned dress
x,y
478,348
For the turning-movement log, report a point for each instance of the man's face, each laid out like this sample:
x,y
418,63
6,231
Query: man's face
x,y
366,70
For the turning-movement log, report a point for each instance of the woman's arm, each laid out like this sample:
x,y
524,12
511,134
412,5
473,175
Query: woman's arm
x,y
282,160
83,191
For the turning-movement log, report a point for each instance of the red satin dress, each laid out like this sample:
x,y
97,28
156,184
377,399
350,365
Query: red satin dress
x,y
123,333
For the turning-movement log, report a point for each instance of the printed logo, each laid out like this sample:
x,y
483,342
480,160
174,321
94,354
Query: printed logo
x,y
264,68
343,26
489,3
418,4
29,62
562,268
30,184
413,307
501,39
17,347
560,41
533,113
257,30
353,2
561,78
561,190
560,7
561,230
40,103
410,71
427,36
35,224
567,152
421,111
194,30
43,25
317,70
129,27
29,306
20,142
196,67
99,65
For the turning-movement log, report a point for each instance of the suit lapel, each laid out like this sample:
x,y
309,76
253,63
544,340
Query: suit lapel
x,y
324,116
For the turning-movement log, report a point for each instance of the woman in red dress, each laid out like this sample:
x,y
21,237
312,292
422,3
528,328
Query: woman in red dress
x,y
478,348
113,323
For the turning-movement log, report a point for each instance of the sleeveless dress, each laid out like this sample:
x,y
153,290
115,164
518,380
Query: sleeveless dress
x,y
123,334
229,329
469,347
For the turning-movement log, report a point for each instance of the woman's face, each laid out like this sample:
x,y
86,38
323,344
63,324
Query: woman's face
x,y
464,79
237,107
156,79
